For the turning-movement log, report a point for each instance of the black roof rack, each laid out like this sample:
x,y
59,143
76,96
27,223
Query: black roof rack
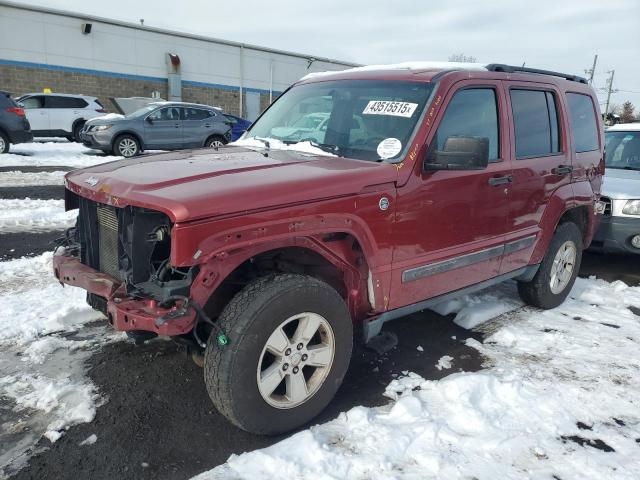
x,y
499,67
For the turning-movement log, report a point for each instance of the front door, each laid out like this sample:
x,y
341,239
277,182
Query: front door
x,y
163,129
451,224
37,115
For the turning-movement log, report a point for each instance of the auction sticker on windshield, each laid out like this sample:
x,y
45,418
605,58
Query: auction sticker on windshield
x,y
389,147
385,107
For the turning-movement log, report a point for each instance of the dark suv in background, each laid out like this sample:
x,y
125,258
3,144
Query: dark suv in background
x,y
158,126
14,126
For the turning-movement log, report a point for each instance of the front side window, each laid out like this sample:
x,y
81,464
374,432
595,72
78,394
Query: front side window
x,y
623,150
471,113
363,119
535,121
583,122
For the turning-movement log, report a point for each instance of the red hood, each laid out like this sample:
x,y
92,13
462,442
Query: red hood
x,y
194,184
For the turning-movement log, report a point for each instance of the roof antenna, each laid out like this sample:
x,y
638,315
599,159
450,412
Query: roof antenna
x,y
142,22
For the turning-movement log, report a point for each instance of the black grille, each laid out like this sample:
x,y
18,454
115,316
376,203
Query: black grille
x,y
108,240
607,205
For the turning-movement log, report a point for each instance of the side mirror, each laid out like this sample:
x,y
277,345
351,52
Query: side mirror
x,y
459,153
149,119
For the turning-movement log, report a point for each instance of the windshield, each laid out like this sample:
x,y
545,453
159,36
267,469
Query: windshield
x,y
364,119
142,111
623,150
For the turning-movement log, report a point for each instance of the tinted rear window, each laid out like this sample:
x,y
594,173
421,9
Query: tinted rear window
x,y
64,102
583,122
536,123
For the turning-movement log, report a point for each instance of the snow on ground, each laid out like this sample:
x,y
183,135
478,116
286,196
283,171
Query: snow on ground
x,y
54,153
559,399
22,179
19,215
43,347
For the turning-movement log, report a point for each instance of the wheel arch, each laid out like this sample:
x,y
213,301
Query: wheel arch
x,y
127,132
212,136
337,259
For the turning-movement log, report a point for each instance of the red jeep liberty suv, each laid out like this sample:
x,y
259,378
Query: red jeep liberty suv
x,y
356,198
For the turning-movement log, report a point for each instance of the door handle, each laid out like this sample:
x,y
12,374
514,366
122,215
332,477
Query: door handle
x,y
562,170
177,125
495,181
207,126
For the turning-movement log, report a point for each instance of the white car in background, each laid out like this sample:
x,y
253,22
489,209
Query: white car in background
x,y
619,230
59,115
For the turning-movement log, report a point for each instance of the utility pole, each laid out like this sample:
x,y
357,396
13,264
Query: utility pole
x,y
593,69
609,88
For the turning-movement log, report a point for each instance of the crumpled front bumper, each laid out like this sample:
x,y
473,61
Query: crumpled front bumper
x,y
123,312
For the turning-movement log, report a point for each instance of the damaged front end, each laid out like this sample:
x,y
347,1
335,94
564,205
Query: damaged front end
x,y
121,257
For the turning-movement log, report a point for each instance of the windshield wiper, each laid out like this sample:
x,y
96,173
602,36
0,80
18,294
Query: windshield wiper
x,y
263,140
622,168
327,147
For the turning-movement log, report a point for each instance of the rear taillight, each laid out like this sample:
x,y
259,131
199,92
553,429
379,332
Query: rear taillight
x,y
17,110
101,110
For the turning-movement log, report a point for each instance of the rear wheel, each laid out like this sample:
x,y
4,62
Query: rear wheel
x,y
290,340
77,128
558,270
215,141
4,142
127,146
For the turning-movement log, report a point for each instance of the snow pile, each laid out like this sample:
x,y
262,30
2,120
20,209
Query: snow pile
x,y
54,153
34,215
70,401
23,179
473,310
275,144
560,400
444,363
415,66
33,303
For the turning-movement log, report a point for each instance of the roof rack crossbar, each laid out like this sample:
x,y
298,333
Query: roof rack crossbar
x,y
500,67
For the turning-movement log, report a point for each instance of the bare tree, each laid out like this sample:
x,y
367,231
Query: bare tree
x,y
462,58
627,115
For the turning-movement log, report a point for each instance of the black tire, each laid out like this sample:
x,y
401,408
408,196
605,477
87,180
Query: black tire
x,y
215,141
538,291
4,142
230,371
122,144
76,132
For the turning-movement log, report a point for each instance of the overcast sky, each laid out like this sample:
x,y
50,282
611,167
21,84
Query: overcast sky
x,y
560,35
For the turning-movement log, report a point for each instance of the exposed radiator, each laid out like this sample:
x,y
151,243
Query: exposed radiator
x,y
108,240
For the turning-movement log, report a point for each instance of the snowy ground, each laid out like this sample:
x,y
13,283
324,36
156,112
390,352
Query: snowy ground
x,y
559,398
43,386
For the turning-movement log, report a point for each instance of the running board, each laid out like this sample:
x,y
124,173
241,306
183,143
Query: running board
x,y
372,327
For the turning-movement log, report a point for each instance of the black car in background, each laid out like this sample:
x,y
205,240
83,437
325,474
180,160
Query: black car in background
x,y
14,126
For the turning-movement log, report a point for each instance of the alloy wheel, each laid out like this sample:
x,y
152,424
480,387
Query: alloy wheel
x,y
296,360
562,268
127,147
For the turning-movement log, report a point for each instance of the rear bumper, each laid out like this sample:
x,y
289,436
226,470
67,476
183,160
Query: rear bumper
x,y
20,136
123,312
615,233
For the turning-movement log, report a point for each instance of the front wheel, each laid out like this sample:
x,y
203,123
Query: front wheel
x,y
127,146
290,340
558,270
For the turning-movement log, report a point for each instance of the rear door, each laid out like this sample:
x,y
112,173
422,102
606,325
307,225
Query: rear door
x,y
451,224
197,125
163,129
63,111
37,115
541,164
